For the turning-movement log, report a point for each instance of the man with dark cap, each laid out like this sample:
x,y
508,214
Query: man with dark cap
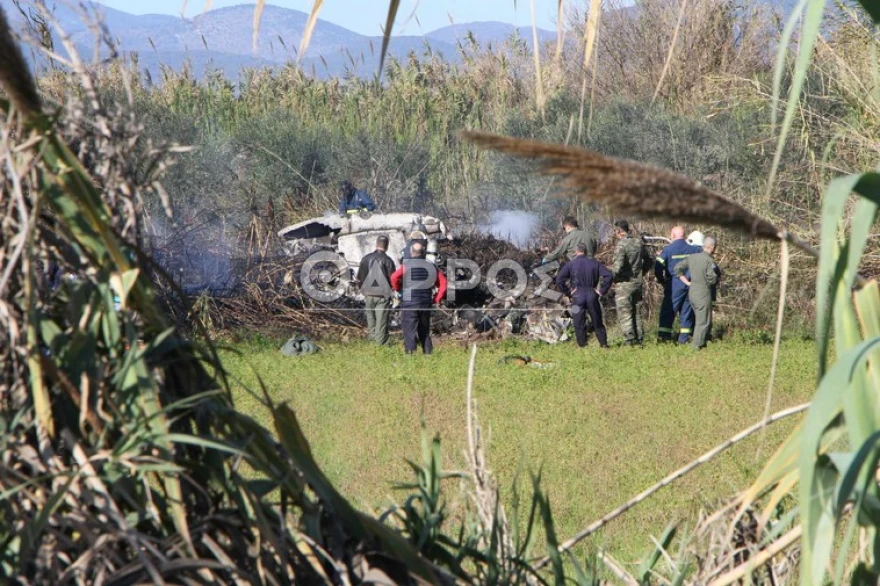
x,y
585,280
374,277
415,279
353,201
631,261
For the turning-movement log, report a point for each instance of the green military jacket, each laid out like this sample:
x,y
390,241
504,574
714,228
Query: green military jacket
x,y
631,260
702,268
565,250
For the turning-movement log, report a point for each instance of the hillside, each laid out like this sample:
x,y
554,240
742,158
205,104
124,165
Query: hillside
x,y
222,39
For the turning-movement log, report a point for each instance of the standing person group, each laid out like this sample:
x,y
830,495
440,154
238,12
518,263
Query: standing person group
x,y
678,295
686,270
585,280
414,280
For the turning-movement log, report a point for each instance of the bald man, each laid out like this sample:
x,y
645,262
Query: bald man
x,y
675,292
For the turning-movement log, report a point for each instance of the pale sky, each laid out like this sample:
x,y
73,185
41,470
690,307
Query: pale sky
x,y
368,16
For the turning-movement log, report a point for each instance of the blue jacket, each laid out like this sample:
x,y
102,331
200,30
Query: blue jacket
x,y
358,201
664,265
584,274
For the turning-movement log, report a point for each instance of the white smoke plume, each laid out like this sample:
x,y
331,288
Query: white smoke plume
x,y
515,226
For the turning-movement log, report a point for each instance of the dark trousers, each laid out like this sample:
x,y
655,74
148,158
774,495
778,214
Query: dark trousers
x,y
580,309
676,302
416,324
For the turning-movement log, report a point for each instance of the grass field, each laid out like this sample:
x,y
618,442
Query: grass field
x,y
603,425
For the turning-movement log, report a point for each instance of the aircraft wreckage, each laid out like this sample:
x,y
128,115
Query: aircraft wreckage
x,y
353,237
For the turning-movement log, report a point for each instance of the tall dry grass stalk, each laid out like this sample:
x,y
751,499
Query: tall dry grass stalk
x,y
631,188
14,76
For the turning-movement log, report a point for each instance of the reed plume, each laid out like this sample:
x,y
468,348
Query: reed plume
x,y
631,188
15,78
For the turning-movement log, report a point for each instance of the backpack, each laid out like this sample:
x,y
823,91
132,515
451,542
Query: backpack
x,y
299,346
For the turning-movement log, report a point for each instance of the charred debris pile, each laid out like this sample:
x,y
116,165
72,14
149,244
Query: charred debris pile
x,y
267,294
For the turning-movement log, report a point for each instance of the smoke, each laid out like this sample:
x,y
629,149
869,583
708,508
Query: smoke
x,y
515,226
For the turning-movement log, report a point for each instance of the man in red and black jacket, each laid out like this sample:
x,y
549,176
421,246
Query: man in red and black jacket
x,y
416,279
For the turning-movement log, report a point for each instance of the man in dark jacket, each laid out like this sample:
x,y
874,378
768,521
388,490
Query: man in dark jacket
x,y
353,200
415,279
374,278
585,280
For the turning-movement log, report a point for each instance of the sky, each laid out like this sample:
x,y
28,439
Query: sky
x,y
414,17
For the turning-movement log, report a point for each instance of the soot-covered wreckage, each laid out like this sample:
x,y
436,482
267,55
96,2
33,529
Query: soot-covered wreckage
x,y
471,310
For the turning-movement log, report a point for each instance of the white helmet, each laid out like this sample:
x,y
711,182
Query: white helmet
x,y
695,238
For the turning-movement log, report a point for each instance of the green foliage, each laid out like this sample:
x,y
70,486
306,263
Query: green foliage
x,y
833,456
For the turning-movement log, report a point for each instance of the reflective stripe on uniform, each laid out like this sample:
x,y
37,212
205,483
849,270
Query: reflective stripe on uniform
x,y
664,330
680,256
661,260
686,331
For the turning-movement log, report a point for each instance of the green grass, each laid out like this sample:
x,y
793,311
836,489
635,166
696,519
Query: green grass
x,y
603,425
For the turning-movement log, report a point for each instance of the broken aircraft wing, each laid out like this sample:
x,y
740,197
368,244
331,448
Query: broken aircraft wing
x,y
336,225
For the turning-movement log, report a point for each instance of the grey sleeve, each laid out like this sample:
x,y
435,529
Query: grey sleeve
x,y
682,267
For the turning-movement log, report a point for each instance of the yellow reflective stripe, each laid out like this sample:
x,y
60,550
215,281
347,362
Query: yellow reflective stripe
x,y
661,260
665,330
680,256
686,331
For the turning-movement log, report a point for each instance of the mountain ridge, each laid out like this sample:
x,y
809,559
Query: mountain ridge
x,y
222,38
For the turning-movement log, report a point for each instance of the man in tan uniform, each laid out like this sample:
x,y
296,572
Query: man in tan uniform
x,y
573,236
703,277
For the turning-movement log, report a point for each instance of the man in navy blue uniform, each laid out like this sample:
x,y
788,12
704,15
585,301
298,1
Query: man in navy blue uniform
x,y
353,201
585,280
675,293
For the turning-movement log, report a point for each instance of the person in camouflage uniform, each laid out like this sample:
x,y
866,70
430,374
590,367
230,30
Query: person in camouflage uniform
x,y
573,236
703,277
631,261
